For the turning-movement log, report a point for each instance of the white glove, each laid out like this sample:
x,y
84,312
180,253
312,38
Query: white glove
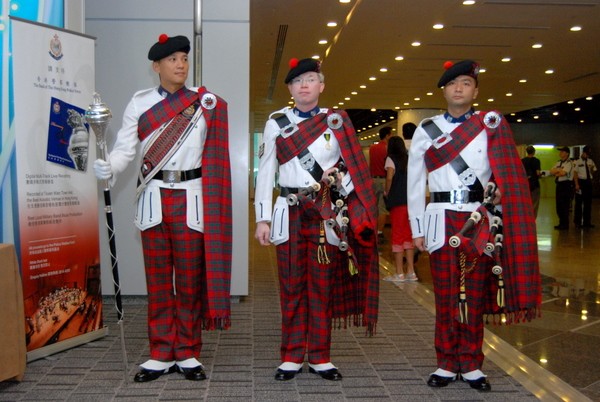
x,y
102,169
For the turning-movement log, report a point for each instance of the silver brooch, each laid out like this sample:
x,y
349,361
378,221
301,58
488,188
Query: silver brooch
x,y
442,140
334,121
491,119
209,101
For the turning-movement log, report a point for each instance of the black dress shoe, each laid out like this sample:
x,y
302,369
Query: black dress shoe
x,y
285,375
145,375
332,374
480,384
438,381
193,373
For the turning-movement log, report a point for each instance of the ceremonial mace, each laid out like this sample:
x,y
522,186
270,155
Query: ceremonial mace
x,y
97,116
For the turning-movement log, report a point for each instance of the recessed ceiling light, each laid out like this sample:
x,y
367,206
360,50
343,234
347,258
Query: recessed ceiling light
x,y
353,93
582,121
323,42
316,57
344,1
406,103
537,46
429,93
549,71
555,113
589,98
577,109
399,58
383,70
372,78
438,26
347,98
570,102
416,44
397,107
509,94
468,2
340,103
505,59
482,70
536,117
490,99
522,80
519,120
363,87
475,104
332,24
373,109
575,28
417,99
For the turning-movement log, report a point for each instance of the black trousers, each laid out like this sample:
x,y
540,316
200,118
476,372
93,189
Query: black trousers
x,y
564,191
583,204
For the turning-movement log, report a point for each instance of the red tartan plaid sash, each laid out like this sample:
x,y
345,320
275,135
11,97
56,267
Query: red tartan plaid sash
x,y
461,137
308,131
164,111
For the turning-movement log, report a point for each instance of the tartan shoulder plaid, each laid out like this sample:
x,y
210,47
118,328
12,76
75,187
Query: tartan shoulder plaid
x,y
217,203
519,253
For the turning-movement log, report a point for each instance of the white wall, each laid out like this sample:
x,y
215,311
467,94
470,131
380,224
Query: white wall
x,y
125,30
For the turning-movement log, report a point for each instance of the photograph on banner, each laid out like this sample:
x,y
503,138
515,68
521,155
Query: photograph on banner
x,y
57,193
68,136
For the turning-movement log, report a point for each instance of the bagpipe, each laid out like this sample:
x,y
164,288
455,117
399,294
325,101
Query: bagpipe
x,y
485,237
336,218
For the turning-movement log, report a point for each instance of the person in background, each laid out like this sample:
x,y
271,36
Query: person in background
x,y
377,155
325,235
408,130
584,172
563,172
183,209
457,154
395,198
533,170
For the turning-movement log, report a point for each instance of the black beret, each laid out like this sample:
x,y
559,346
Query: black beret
x,y
587,149
166,46
299,67
565,149
465,67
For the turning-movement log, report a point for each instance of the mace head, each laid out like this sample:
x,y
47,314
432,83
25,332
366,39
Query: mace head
x,y
98,115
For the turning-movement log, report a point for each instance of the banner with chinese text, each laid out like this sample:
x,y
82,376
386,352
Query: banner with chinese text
x,y
56,187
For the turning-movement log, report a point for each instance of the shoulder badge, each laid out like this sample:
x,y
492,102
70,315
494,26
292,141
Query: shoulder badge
x,y
334,121
209,101
492,119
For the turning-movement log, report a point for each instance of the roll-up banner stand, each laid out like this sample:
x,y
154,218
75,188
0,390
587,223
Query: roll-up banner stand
x,y
57,201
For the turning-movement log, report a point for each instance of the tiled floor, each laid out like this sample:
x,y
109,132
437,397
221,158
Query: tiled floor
x,y
392,366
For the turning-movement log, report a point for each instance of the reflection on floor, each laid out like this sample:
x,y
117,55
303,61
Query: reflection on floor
x,y
566,339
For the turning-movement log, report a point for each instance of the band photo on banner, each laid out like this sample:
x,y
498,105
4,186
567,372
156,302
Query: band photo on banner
x,y
57,237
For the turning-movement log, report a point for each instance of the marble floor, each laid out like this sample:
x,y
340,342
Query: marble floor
x,y
565,340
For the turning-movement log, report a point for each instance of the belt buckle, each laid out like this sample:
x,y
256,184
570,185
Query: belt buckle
x,y
172,176
459,197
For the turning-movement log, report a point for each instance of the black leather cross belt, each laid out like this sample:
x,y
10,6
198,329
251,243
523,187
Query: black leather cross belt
x,y
457,196
177,176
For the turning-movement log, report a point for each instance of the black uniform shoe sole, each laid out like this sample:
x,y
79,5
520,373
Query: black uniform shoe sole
x,y
331,374
480,384
193,374
145,375
286,375
438,381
